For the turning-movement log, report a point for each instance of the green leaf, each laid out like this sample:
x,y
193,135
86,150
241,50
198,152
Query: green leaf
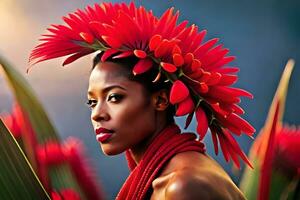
x,y
62,176
279,185
29,103
17,178
249,181
258,152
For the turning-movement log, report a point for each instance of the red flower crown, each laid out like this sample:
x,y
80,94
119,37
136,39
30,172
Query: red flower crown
x,y
199,72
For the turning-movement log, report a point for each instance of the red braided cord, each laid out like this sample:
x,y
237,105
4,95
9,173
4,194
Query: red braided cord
x,y
158,168
131,163
167,144
164,154
151,155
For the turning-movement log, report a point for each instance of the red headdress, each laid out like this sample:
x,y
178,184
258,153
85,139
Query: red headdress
x,y
198,70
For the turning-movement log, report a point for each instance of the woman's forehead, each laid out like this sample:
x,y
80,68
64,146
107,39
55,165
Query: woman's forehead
x,y
104,76
111,69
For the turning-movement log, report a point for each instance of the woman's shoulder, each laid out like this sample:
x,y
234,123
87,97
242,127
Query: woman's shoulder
x,y
191,175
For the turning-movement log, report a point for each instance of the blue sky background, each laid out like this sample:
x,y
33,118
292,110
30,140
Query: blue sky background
x,y
262,34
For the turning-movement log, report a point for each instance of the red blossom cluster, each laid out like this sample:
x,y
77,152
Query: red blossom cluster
x,y
287,145
277,151
52,154
199,71
65,194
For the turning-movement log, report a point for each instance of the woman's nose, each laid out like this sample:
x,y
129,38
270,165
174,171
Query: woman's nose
x,y
99,113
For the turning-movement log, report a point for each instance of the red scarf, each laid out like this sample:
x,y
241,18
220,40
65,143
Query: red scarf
x,y
167,144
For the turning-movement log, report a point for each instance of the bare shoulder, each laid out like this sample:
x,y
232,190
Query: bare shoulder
x,y
192,175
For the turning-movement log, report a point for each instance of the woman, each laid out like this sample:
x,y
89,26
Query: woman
x,y
149,70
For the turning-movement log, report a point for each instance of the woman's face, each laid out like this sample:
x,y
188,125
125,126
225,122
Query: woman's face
x,y
122,113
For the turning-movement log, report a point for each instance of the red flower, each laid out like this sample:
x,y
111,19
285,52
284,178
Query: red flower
x,y
86,178
185,107
65,194
197,69
142,66
50,153
287,143
179,92
202,124
277,148
15,121
18,123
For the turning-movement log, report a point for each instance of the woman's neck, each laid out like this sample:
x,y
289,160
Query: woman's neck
x,y
137,152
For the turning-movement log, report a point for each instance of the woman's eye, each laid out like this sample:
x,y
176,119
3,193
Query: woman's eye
x,y
115,98
91,103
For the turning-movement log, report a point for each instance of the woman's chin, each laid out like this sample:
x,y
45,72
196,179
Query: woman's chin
x,y
109,150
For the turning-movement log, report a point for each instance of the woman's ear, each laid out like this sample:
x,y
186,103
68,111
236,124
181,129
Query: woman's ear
x,y
160,100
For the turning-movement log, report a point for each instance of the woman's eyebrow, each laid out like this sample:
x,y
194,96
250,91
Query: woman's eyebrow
x,y
107,89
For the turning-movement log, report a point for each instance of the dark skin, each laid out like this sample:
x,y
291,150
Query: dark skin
x,y
117,102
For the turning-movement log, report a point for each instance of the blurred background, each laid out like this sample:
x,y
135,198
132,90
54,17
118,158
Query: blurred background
x,y
262,34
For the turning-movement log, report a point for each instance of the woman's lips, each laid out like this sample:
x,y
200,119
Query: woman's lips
x,y
102,137
103,134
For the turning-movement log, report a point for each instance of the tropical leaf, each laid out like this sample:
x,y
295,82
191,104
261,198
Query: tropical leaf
x,y
258,182
61,176
29,103
17,178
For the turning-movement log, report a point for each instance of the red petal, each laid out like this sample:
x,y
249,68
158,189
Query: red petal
x,y
196,74
196,64
185,107
113,42
140,53
202,88
89,38
233,154
223,147
214,79
97,27
229,125
216,108
205,76
205,47
154,42
227,70
142,66
81,169
108,53
162,49
76,56
239,122
227,79
178,92
235,147
215,141
123,55
188,58
235,108
266,167
55,196
223,94
202,123
221,63
70,194
176,50
168,67
178,59
51,153
232,91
